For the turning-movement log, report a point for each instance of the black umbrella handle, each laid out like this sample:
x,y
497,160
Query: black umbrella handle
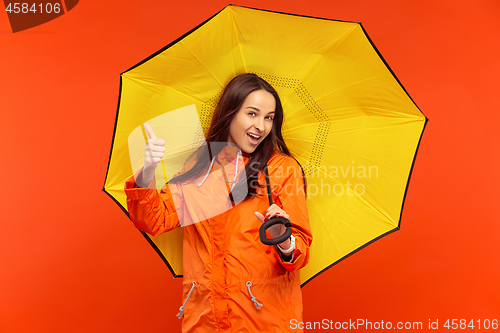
x,y
273,221
269,223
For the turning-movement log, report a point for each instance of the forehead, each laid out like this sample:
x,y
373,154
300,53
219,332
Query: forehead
x,y
261,100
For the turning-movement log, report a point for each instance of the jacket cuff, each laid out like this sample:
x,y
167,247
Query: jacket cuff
x,y
282,256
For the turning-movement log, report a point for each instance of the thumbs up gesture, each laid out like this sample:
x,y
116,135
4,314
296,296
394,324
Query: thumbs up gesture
x,y
153,153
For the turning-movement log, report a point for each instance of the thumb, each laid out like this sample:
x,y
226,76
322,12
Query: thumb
x,y
149,130
260,217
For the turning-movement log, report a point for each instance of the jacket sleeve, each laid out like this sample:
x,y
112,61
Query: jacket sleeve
x,y
292,199
153,212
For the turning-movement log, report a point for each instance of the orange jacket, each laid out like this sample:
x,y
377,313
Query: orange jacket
x,y
232,281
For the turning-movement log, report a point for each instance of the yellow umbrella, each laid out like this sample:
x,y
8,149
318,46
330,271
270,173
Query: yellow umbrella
x,y
348,120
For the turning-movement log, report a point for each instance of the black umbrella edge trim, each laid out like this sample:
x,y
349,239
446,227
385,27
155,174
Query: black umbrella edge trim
x,y
298,15
116,202
174,42
390,69
411,171
409,176
145,236
112,198
230,5
113,140
150,241
348,255
387,233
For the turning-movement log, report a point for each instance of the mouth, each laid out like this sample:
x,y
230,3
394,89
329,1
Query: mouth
x,y
253,138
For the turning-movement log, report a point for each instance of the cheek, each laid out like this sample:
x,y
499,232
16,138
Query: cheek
x,y
232,131
237,126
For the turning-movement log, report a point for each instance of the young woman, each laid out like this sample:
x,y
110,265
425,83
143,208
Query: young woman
x,y
232,281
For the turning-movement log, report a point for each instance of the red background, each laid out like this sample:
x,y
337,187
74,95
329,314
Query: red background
x,y
71,261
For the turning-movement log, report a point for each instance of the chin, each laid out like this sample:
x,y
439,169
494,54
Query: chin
x,y
248,150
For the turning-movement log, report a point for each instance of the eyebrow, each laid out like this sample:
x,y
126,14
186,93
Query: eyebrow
x,y
258,110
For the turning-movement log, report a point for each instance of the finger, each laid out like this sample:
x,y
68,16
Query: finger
x,y
155,145
153,160
259,216
154,154
269,214
275,210
149,130
272,210
283,214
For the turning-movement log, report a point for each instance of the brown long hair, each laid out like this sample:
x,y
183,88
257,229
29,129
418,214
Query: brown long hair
x,y
233,96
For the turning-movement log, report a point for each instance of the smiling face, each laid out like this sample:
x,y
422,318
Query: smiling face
x,y
253,121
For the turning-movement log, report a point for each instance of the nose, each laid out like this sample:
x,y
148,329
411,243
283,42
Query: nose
x,y
259,124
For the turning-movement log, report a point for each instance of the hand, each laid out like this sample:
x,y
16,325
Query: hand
x,y
153,153
277,229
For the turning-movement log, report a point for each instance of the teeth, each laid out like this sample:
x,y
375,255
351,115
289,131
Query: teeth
x,y
254,136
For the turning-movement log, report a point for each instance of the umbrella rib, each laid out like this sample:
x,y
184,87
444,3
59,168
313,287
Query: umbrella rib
x,y
413,119
349,152
332,92
347,86
235,28
141,81
403,114
336,44
199,61
382,213
168,87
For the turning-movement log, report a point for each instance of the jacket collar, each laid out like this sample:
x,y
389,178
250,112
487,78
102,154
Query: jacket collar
x,y
229,153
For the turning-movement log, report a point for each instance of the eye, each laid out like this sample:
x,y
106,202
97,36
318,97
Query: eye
x,y
270,117
251,113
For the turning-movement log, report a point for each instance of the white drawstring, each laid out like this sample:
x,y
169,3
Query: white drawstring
x,y
257,304
179,315
235,170
208,171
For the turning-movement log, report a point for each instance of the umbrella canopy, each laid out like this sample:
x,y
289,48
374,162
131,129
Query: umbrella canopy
x,y
348,120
